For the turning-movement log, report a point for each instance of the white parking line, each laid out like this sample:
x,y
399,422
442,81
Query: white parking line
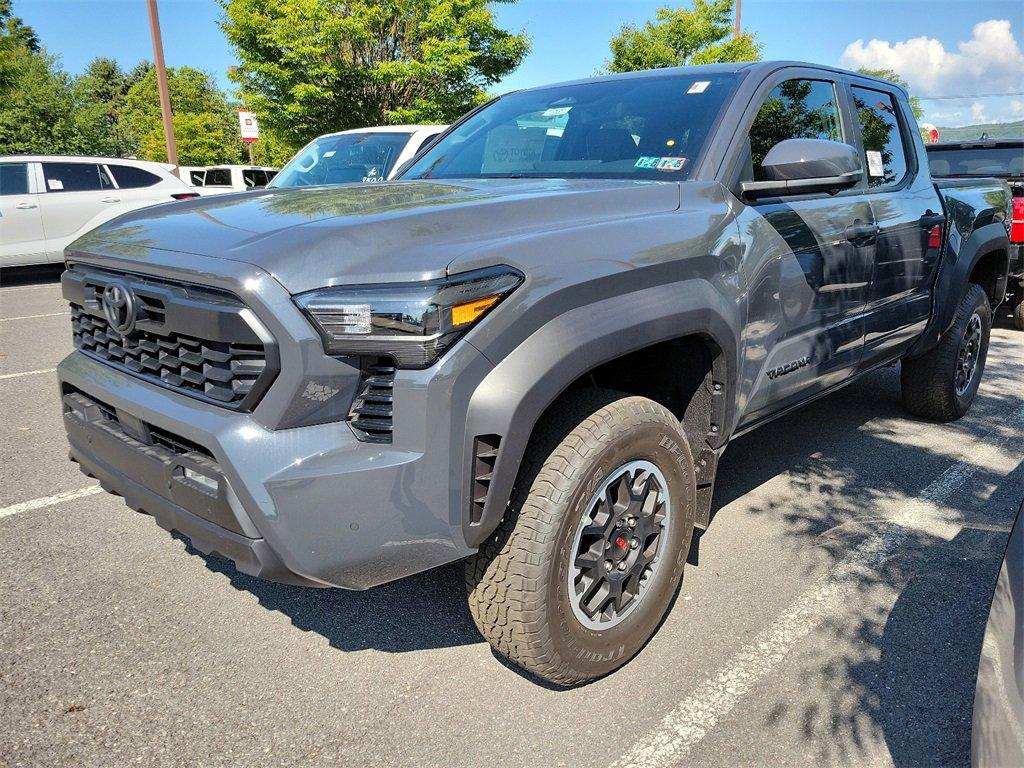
x,y
49,501
697,715
27,373
32,317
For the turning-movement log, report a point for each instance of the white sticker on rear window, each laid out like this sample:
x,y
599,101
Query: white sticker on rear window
x,y
699,87
55,184
875,167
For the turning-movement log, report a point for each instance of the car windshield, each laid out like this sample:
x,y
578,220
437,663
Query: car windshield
x,y
343,159
1004,161
651,127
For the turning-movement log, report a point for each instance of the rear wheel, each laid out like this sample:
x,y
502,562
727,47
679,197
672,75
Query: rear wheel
x,y
942,383
587,562
1018,307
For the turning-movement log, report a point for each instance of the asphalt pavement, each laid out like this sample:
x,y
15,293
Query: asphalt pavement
x,y
835,618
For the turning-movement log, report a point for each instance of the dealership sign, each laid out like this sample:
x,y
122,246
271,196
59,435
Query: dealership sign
x,y
248,126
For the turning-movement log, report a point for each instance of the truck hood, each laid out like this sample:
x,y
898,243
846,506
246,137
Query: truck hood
x,y
399,231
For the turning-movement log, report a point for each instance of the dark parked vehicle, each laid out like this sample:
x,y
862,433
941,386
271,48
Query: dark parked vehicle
x,y
532,349
997,733
1002,159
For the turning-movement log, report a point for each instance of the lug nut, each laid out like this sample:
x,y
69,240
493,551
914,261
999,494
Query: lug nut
x,y
607,545
607,565
622,565
634,543
632,522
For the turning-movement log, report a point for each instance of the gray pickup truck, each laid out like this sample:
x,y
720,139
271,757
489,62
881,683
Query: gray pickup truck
x,y
531,350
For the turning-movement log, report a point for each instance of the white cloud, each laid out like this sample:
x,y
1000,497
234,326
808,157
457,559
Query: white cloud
x,y
978,114
991,62
1016,107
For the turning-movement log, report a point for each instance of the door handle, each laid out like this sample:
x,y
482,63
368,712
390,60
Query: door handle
x,y
26,206
111,200
861,233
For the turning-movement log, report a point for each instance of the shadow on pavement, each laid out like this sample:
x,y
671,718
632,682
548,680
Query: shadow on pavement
x,y
897,666
42,274
424,611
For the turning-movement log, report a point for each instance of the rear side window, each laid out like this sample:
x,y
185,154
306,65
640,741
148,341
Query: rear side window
x,y
885,157
13,178
795,109
130,177
255,178
75,177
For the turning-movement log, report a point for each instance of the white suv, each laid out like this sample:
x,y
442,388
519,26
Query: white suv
x,y
47,201
217,179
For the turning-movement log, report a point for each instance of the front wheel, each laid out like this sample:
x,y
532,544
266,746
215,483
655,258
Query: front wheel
x,y
942,383
589,558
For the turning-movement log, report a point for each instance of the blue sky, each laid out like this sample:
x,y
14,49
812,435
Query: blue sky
x,y
962,48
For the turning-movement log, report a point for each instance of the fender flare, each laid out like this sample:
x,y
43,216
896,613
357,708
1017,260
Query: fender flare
x,y
953,275
510,400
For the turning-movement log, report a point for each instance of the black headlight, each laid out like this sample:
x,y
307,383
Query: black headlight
x,y
412,323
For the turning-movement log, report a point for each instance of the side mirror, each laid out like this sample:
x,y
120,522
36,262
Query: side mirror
x,y
803,166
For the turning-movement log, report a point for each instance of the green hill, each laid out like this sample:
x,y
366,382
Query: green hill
x,y
1014,130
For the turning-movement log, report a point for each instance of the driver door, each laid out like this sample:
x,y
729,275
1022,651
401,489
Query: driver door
x,y
807,264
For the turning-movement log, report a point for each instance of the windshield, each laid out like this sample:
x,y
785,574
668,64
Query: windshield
x,y
645,128
343,159
977,161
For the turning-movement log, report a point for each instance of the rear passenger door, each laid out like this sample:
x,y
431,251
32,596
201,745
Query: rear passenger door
x,y
21,226
75,194
808,258
136,187
909,215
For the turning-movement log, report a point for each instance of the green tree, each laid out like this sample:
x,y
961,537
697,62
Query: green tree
x,y
205,125
100,92
313,66
683,36
15,37
40,110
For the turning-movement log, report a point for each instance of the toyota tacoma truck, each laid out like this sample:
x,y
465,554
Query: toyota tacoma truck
x,y
530,351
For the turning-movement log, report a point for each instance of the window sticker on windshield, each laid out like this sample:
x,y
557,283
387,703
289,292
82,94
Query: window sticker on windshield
x,y
660,163
55,184
875,167
699,87
330,153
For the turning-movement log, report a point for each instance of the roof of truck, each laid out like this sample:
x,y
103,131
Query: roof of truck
x,y
757,68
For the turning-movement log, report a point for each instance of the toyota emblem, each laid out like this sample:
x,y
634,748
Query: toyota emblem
x,y
119,308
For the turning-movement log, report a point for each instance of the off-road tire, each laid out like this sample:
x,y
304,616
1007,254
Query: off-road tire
x,y
517,583
928,381
1018,309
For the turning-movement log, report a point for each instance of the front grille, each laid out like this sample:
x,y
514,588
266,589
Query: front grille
x,y
371,414
189,339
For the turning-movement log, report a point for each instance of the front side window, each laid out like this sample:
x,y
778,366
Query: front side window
x,y
649,127
795,109
343,159
884,154
75,177
13,178
130,177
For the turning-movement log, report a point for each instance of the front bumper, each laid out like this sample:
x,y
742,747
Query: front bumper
x,y
299,504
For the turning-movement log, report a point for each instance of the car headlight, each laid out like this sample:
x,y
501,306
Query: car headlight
x,y
412,323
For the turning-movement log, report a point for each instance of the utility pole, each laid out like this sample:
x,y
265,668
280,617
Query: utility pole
x,y
739,14
161,83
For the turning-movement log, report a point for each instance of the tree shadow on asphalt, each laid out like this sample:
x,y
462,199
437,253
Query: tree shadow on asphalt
x,y
898,664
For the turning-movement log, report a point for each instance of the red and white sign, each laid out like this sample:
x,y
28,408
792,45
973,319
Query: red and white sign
x,y
248,125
